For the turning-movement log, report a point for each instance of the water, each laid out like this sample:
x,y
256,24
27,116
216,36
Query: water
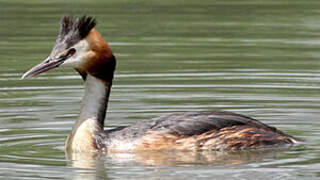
x,y
258,58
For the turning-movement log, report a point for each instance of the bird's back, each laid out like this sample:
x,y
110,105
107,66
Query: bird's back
x,y
204,130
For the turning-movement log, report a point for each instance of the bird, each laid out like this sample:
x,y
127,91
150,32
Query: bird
x,y
80,46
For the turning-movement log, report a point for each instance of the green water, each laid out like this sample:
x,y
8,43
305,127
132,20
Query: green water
x,y
254,57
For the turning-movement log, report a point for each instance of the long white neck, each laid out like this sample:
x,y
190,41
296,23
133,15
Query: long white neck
x,y
95,100
93,109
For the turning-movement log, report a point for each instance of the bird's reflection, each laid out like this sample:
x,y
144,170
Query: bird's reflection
x,y
89,166
94,165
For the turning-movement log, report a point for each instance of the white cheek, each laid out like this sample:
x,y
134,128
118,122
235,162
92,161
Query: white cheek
x,y
80,57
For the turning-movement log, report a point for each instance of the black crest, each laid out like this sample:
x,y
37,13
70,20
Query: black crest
x,y
79,27
72,31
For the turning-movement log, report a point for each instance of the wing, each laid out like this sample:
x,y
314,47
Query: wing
x,y
194,123
204,130
191,123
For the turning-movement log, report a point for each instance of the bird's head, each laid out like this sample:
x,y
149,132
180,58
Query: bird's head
x,y
80,46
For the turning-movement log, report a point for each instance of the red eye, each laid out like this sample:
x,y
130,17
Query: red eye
x,y
72,51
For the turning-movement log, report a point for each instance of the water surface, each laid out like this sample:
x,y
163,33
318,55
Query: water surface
x,y
257,58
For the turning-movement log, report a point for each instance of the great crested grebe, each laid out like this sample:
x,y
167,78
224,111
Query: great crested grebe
x,y
80,46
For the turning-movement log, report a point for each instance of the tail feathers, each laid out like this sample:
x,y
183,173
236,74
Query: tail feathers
x,y
244,137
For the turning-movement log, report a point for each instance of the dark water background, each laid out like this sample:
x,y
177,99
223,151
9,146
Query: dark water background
x,y
254,57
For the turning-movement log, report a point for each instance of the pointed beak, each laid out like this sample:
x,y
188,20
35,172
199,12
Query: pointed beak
x,y
45,66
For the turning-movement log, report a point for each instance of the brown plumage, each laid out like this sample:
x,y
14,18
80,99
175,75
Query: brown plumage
x,y
203,130
230,138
